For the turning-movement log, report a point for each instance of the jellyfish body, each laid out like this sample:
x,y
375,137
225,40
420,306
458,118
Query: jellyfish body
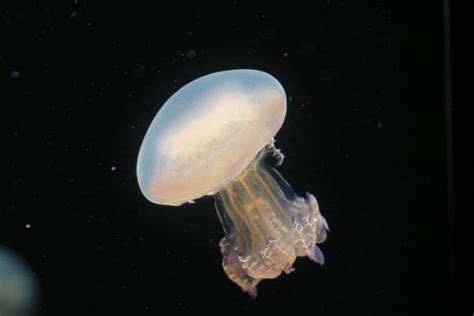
x,y
211,138
18,286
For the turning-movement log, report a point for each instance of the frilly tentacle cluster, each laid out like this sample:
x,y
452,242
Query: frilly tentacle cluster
x,y
267,225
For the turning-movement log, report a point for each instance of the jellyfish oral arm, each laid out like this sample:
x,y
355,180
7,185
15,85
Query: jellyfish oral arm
x,y
266,224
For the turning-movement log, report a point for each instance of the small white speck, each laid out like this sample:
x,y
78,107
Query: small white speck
x,y
28,226
113,168
89,24
290,98
285,54
379,125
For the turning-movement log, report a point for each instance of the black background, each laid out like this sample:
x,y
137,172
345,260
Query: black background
x,y
364,132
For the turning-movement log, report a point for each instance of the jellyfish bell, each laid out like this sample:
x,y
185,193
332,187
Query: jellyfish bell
x,y
210,138
208,132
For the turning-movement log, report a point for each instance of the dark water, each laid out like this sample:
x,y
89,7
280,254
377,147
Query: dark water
x,y
364,132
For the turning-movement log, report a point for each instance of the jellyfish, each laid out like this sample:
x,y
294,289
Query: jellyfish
x,y
211,138
19,289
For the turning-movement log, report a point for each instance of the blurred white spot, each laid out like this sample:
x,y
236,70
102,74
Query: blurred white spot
x,y
28,226
113,168
191,53
14,74
18,286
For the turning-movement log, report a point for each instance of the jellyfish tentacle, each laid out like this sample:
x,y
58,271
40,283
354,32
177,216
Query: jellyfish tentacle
x,y
233,269
316,255
267,225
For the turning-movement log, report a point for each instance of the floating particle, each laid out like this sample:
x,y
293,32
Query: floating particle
x,y
306,48
191,53
16,184
139,71
14,74
73,15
